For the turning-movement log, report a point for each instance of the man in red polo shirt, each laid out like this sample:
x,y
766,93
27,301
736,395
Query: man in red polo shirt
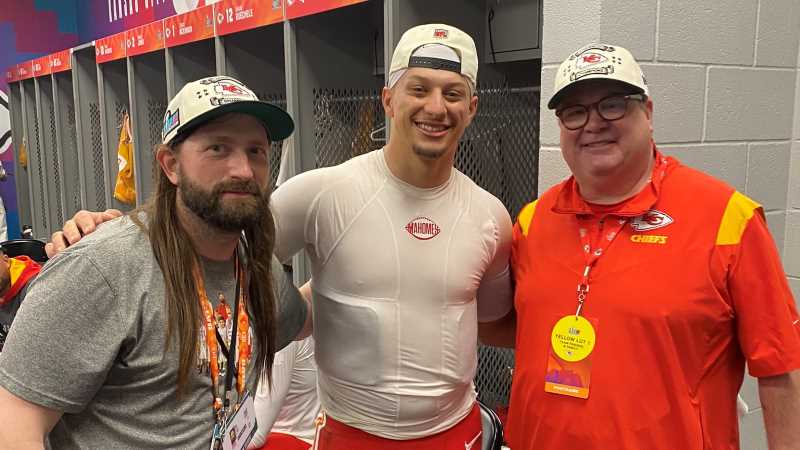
x,y
642,288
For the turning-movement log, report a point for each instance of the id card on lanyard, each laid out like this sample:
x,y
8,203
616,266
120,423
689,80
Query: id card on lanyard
x,y
573,337
234,424
239,429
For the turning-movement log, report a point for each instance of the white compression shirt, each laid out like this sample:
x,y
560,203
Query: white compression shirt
x,y
291,405
396,272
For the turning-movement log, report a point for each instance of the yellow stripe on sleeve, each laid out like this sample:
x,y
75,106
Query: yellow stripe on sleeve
x,y
738,213
15,268
526,217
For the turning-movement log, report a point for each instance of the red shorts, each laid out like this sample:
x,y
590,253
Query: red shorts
x,y
280,441
465,435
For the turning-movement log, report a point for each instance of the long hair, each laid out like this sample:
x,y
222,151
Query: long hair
x,y
175,256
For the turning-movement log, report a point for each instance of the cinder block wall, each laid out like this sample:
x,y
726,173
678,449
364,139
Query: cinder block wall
x,y
725,80
791,249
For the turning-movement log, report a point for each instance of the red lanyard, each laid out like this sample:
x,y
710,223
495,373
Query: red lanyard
x,y
242,335
591,255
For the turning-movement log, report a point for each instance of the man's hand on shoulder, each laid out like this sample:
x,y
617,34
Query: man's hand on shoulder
x,y
81,224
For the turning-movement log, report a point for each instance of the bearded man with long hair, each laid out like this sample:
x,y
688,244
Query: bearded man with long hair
x,y
117,345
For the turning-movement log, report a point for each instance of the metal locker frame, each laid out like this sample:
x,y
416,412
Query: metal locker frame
x,y
219,55
113,95
256,58
88,131
38,197
189,62
147,90
67,147
301,268
18,135
333,39
50,149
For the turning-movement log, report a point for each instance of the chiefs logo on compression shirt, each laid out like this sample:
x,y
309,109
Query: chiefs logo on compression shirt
x,y
651,220
423,228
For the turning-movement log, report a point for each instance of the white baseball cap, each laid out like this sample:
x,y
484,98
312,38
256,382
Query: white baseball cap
x,y
598,61
208,98
465,61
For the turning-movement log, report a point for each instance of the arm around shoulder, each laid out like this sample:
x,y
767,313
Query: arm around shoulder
x,y
25,424
501,332
780,400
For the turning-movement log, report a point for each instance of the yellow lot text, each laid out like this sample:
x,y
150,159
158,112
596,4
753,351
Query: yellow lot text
x,y
648,239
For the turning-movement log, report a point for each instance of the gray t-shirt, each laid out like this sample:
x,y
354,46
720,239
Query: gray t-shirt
x,y
89,340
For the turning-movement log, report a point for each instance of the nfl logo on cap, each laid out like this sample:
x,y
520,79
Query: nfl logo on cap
x,y
440,33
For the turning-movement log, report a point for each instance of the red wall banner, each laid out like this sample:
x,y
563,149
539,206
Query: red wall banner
x,y
192,26
25,70
110,48
300,8
11,74
240,15
41,66
60,61
206,20
144,39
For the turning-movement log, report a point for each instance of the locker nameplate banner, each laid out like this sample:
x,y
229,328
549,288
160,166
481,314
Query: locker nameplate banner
x,y
110,48
11,74
41,66
300,8
239,15
25,70
144,39
192,26
60,61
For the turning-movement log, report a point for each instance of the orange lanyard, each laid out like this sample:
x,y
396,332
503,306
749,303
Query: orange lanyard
x,y
242,336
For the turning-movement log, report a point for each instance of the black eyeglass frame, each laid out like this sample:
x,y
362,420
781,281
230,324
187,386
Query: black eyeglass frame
x,y
589,107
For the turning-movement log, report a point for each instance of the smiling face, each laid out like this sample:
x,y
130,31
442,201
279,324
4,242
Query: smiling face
x,y
429,109
221,171
618,150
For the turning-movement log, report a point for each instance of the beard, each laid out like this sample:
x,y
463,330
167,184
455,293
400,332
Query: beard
x,y
428,153
232,215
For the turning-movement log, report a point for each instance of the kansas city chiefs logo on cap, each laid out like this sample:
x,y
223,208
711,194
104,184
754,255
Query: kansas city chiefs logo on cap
x,y
651,220
228,88
440,33
589,59
423,228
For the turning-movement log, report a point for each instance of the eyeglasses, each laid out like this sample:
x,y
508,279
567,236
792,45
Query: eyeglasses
x,y
610,108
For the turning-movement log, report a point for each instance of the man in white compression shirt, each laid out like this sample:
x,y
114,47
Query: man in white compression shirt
x,y
409,261
401,245
287,409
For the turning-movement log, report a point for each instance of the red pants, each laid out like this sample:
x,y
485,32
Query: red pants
x,y
465,435
280,441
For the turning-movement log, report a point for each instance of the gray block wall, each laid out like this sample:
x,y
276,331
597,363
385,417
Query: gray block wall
x,y
725,81
791,248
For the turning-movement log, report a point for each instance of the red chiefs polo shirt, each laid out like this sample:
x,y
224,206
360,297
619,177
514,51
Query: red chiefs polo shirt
x,y
690,289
